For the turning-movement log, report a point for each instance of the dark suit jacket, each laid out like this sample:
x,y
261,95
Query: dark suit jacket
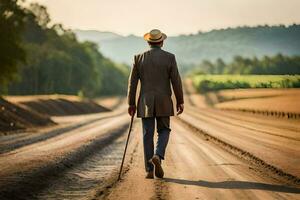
x,y
157,70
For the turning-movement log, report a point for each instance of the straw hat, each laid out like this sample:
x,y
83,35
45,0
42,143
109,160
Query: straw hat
x,y
155,35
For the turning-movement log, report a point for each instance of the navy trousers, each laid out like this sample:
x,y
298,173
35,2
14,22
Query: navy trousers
x,y
163,130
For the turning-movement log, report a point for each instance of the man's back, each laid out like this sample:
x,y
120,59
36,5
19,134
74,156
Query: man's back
x,y
155,69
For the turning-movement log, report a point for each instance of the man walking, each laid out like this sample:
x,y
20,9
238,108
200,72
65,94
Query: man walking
x,y
157,70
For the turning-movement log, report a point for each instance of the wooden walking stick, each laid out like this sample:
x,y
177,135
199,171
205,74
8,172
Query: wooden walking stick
x,y
129,131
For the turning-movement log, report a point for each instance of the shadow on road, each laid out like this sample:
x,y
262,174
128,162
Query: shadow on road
x,y
244,185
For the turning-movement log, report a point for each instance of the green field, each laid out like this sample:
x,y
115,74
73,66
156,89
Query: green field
x,y
206,83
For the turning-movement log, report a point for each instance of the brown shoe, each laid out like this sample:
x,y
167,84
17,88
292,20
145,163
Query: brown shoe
x,y
158,170
149,175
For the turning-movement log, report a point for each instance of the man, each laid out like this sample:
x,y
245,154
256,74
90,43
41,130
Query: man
x,y
157,70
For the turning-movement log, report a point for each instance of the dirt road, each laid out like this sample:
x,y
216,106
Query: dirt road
x,y
196,168
212,154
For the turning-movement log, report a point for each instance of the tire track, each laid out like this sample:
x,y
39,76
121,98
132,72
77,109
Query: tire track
x,y
237,115
4,148
216,117
27,184
279,173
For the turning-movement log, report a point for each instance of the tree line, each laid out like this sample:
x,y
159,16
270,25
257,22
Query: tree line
x,y
214,82
273,65
39,58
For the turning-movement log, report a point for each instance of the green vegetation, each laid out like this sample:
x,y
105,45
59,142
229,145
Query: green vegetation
x,y
278,65
44,59
11,51
268,72
206,83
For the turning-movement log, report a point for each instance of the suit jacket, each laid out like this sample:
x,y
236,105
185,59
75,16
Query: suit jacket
x,y
157,70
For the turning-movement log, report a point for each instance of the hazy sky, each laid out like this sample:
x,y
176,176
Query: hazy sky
x,y
171,16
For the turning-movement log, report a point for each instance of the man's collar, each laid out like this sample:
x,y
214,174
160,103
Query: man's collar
x,y
154,47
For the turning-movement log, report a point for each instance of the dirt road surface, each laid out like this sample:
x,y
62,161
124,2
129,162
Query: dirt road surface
x,y
212,154
195,168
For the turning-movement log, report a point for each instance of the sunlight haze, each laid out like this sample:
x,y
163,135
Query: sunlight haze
x,y
171,16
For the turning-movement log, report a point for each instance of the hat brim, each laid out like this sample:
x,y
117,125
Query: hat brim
x,y
147,38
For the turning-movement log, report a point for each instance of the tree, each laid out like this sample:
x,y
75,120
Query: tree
x,y
41,14
277,65
56,62
11,50
219,66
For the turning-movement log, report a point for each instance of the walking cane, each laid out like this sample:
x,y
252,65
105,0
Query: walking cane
x,y
129,131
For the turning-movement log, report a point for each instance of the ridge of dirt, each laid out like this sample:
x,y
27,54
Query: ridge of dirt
x,y
110,102
57,105
236,94
24,112
271,169
14,117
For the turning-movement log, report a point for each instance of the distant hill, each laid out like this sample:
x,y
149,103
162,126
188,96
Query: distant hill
x,y
96,36
224,43
118,48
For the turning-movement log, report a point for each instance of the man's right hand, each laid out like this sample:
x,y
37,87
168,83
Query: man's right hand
x,y
131,110
180,109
